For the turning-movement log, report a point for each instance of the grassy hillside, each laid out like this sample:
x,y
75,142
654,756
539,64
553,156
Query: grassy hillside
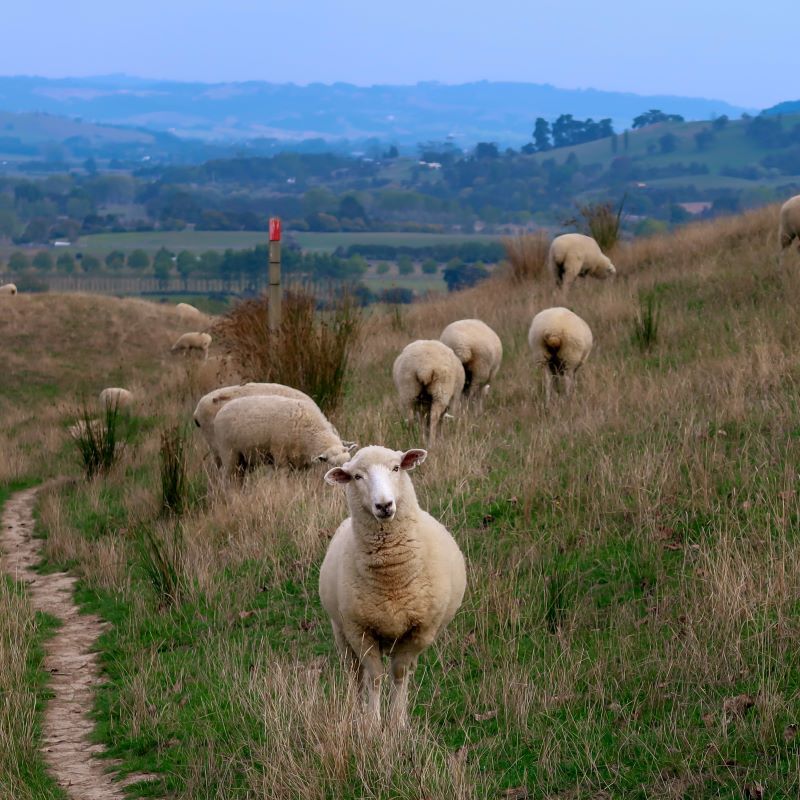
x,y
631,622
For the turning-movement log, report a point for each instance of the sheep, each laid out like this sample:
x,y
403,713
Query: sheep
x,y
8,288
561,341
790,222
574,255
429,379
188,311
392,577
280,430
192,343
116,398
210,404
480,351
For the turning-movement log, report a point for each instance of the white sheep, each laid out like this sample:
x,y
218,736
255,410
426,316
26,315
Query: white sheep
x,y
191,344
561,341
188,311
429,378
480,351
210,405
278,430
115,398
790,222
8,288
574,255
393,576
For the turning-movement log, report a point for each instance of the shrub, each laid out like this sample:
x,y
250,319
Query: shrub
x,y
174,483
161,555
100,442
429,267
311,351
527,256
645,324
602,222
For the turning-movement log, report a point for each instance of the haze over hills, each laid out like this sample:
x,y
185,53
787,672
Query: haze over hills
x,y
470,112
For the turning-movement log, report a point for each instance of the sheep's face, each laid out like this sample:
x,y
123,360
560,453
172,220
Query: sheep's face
x,y
337,455
376,479
608,270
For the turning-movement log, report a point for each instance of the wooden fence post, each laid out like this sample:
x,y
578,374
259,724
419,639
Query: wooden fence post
x,y
274,273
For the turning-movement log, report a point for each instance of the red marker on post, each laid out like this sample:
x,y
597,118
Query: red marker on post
x,y
274,273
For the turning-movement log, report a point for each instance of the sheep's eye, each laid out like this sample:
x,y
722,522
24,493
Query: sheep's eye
x,y
396,468
357,477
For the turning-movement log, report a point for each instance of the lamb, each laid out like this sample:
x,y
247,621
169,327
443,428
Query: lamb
x,y
116,398
480,351
561,341
279,430
429,379
210,404
8,288
574,255
393,576
790,222
192,343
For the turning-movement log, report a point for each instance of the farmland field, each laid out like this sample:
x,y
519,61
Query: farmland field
x,y
631,626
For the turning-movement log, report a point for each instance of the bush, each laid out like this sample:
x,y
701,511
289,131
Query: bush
x,y
602,222
311,351
398,295
645,324
100,442
174,483
463,276
430,267
527,256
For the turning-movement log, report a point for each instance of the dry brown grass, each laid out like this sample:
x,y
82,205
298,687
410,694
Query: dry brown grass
x,y
633,561
527,256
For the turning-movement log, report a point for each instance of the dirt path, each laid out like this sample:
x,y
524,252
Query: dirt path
x,y
73,668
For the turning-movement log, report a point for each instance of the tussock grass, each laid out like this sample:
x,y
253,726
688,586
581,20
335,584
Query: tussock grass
x,y
602,221
527,256
311,351
633,564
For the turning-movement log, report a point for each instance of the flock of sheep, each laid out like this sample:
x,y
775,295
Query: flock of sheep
x,y
393,576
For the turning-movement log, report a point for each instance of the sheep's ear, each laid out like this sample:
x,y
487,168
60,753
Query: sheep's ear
x,y
351,446
222,398
411,458
337,475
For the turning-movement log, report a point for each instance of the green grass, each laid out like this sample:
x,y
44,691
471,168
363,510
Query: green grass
x,y
321,242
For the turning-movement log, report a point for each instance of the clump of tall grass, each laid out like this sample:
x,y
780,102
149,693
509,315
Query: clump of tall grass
x,y
100,442
602,222
311,350
174,481
527,256
646,321
161,556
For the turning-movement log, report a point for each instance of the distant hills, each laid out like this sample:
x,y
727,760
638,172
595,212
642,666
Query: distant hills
x,y
406,115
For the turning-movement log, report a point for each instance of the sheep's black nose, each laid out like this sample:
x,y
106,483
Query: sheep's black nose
x,y
384,509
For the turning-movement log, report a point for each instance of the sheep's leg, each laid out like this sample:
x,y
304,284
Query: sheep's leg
x,y
404,662
369,658
437,409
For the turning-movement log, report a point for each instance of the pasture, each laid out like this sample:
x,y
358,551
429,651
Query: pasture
x,y
630,627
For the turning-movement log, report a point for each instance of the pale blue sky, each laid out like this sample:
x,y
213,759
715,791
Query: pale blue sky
x,y
743,52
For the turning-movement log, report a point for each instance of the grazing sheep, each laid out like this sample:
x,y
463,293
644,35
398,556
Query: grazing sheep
x,y
574,255
561,341
210,404
8,288
192,343
114,397
279,430
790,222
188,311
393,576
429,379
480,351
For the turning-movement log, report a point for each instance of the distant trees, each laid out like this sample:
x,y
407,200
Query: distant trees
x,y
138,259
405,265
66,263
486,150
115,260
704,139
43,261
429,267
668,143
653,116
567,130
18,261
458,275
